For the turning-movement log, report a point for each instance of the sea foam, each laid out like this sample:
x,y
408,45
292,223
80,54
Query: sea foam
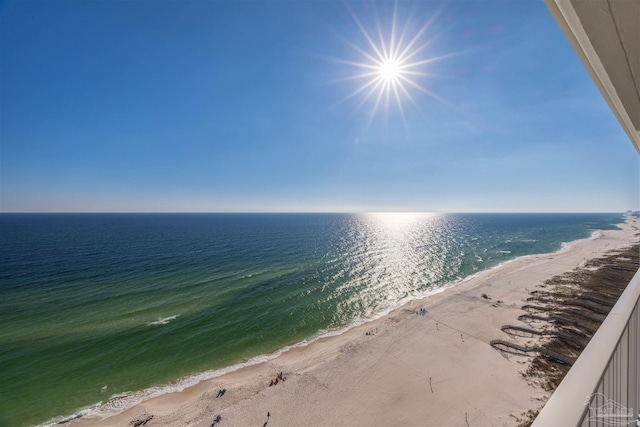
x,y
164,321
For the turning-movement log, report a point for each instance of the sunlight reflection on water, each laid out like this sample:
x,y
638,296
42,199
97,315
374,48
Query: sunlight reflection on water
x,y
393,255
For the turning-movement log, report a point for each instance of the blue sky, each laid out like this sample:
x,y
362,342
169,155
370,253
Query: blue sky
x,y
240,106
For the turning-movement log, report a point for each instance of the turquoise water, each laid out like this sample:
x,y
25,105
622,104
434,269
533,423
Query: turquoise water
x,y
94,306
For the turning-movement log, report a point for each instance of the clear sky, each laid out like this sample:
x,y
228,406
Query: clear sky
x,y
282,106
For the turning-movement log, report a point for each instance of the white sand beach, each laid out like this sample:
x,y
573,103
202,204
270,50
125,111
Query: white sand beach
x,y
403,369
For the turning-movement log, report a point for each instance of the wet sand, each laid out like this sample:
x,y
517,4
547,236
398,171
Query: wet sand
x,y
402,369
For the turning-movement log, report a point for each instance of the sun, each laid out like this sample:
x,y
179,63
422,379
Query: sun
x,y
390,71
392,65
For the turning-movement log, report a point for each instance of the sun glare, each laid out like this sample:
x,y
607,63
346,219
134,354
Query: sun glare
x,y
390,70
392,63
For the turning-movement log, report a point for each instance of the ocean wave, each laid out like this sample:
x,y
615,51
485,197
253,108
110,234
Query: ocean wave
x,y
163,321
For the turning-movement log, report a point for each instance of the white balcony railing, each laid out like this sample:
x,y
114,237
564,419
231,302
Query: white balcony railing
x,y
603,386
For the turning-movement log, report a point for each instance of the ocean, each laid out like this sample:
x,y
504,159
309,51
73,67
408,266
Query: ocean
x,y
99,311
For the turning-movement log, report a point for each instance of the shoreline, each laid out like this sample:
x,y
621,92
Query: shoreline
x,y
305,362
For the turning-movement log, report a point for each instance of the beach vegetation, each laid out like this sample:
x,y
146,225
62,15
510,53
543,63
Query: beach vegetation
x,y
527,418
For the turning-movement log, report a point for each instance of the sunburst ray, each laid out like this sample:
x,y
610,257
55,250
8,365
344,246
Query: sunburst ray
x,y
392,63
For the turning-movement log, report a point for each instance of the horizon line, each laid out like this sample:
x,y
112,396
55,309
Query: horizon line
x,y
320,212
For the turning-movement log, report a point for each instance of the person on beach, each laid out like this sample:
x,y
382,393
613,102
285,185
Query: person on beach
x,y
279,377
143,420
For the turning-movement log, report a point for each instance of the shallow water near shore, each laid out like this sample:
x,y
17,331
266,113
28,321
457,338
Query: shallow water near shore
x,y
96,305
